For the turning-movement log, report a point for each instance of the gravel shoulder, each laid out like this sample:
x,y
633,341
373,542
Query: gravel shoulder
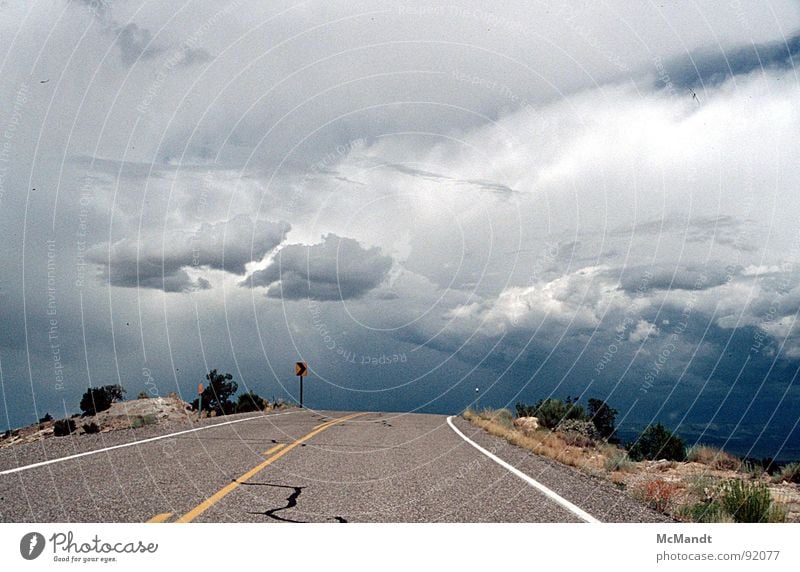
x,y
596,496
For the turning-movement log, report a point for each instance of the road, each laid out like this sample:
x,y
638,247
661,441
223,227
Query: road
x,y
302,466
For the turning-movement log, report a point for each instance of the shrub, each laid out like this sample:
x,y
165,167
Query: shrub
x,y
63,427
91,428
618,460
657,442
603,417
712,457
143,395
97,399
751,468
500,416
658,494
578,433
143,420
250,402
790,473
551,412
705,511
749,501
47,417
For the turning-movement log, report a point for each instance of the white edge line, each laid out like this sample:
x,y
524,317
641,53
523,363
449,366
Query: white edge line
x,y
580,513
132,443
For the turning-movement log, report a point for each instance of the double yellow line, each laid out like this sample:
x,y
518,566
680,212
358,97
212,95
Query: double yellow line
x,y
277,452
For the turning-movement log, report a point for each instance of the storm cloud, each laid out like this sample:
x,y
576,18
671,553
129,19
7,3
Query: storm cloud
x,y
338,268
161,261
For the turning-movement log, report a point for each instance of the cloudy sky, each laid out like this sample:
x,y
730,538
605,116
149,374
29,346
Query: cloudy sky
x,y
417,199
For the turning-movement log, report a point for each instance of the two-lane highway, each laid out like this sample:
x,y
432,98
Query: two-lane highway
x,y
302,466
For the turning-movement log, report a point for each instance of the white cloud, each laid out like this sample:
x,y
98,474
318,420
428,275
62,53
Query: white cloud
x,y
643,331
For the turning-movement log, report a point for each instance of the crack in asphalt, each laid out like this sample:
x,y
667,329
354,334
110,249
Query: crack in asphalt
x,y
291,502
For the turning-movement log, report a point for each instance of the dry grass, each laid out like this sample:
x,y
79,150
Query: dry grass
x,y
617,459
712,457
790,474
542,441
660,495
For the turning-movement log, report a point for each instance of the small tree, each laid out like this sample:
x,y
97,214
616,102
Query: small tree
x,y
97,399
216,396
603,417
658,442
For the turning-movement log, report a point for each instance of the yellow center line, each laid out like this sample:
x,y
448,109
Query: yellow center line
x,y
163,517
230,487
275,448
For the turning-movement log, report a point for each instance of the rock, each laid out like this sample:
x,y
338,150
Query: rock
x,y
119,416
526,424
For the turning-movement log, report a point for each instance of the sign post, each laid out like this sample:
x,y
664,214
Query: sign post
x,y
301,370
199,400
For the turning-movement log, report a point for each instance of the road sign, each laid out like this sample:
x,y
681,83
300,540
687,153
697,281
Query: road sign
x,y
200,389
301,370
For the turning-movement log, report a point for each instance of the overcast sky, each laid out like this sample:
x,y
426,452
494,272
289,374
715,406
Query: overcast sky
x,y
418,200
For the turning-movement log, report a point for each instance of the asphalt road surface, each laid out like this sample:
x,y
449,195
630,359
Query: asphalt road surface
x,y
301,466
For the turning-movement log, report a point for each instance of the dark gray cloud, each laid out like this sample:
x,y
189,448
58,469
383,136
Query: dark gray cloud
x,y
337,268
161,261
641,279
706,68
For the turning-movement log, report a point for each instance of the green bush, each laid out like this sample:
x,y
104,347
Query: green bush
x,y
551,412
250,401
705,511
749,501
63,427
657,442
97,399
143,420
91,428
